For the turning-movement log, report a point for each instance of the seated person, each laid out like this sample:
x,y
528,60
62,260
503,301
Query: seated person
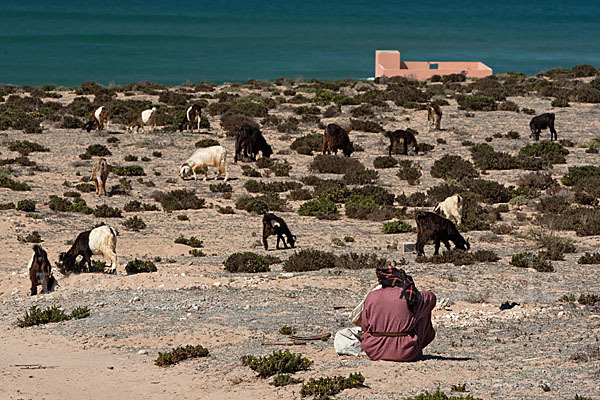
x,y
396,319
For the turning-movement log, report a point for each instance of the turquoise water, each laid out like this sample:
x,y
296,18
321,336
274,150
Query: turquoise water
x,y
68,42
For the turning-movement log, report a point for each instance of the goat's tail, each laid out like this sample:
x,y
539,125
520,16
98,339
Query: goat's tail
x,y
437,208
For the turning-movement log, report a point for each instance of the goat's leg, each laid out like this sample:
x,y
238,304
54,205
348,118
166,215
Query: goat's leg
x,y
285,246
437,247
278,237
420,246
113,262
553,135
265,243
428,124
405,147
34,289
97,186
446,243
45,283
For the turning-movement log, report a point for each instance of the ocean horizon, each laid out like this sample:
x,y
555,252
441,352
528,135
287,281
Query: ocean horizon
x,y
68,42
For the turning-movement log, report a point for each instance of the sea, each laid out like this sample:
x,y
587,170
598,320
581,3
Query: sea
x,y
67,42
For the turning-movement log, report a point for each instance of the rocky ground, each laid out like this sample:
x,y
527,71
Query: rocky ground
x,y
542,348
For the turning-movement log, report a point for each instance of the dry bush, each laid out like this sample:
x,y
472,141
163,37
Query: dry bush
x,y
453,167
332,164
385,162
246,262
309,260
181,199
307,144
409,171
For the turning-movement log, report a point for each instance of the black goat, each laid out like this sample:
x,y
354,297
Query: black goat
x,y
336,138
431,226
250,141
541,122
274,225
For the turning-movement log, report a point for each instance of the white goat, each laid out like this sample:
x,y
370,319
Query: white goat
x,y
214,156
99,241
451,208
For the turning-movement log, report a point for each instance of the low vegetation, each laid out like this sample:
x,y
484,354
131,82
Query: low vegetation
x,y
246,262
37,316
140,266
280,362
178,354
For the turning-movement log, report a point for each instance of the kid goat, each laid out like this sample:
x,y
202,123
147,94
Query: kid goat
x,y
450,208
98,241
99,176
274,225
40,271
431,226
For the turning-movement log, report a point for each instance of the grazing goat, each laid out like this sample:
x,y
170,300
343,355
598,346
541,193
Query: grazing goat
x,y
250,140
99,176
336,138
431,226
40,271
398,135
434,114
193,114
274,225
450,208
214,156
541,122
145,118
100,115
98,241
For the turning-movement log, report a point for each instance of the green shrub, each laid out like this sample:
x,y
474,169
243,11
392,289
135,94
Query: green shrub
x,y
460,257
8,182
136,206
261,204
529,260
439,395
528,111
290,125
508,106
307,144
251,172
246,262
453,167
332,164
206,143
476,103
95,150
490,191
26,205
37,316
221,188
7,206
396,227
105,211
321,208
192,241
322,388
300,194
128,170
25,147
385,162
376,193
134,223
280,362
560,102
225,210
588,258
85,187
360,261
309,260
139,266
281,168
486,158
367,209
180,199
231,122
284,380
365,126
360,176
33,237
179,354
543,148
409,171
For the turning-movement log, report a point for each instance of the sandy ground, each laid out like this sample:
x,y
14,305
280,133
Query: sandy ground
x,y
498,354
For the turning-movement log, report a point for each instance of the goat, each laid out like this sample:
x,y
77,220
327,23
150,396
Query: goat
x,y
336,138
541,122
450,208
250,140
143,119
398,135
98,241
99,176
431,226
214,156
193,113
434,113
274,225
40,271
100,115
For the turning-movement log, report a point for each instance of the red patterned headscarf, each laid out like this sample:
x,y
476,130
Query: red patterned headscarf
x,y
390,277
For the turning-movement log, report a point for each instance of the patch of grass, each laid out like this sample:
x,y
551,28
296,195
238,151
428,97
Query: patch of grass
x,y
246,262
180,199
476,103
261,204
33,237
529,260
105,211
134,223
197,253
9,183
439,395
385,162
287,330
179,354
355,261
220,188
323,387
409,171
396,227
460,257
225,210
95,150
280,362
284,380
25,147
338,242
322,208
251,172
37,316
307,144
128,170
139,266
192,241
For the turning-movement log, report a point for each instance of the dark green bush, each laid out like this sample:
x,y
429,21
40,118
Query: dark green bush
x,y
26,205
560,102
37,316
365,126
246,262
490,191
300,194
360,176
225,210
486,158
105,211
130,158
85,187
385,162
290,125
460,257
136,206
192,241
307,144
179,354
33,237
251,172
439,395
180,199
280,362
134,223
8,182
453,167
321,208
332,164
309,260
7,206
409,171
529,260
588,258
543,148
128,170
322,388
284,380
221,188
25,147
231,122
95,150
476,103
139,266
261,204
206,143
396,227
360,261
367,209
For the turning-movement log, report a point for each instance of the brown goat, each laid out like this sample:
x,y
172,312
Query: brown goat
x,y
336,138
100,115
274,225
99,176
434,113
431,226
143,119
398,135
40,271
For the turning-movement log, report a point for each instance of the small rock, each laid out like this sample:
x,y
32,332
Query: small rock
x,y
286,275
217,284
143,352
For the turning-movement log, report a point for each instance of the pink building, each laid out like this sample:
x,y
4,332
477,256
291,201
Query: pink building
x,y
387,62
